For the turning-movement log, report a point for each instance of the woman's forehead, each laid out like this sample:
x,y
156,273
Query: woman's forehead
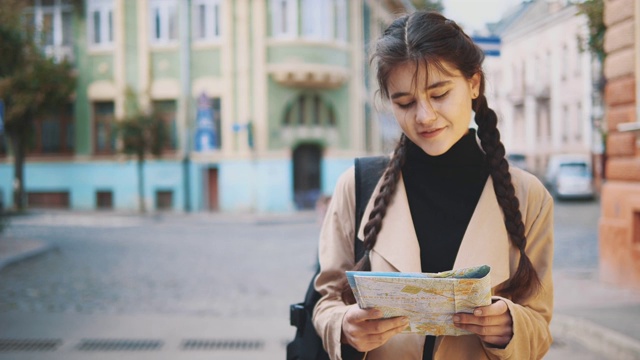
x,y
410,74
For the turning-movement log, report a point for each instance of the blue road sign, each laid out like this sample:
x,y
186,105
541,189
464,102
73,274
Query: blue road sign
x,y
489,44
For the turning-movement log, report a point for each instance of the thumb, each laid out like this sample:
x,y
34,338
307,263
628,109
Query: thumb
x,y
361,315
497,308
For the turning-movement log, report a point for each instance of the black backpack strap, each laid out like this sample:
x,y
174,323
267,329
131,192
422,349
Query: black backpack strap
x,y
307,344
368,171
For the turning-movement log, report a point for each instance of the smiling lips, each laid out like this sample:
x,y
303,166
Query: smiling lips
x,y
427,134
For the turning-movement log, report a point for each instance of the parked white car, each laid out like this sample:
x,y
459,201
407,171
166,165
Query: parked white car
x,y
570,176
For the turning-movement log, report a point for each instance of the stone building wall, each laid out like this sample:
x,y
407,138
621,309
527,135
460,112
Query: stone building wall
x,y
620,202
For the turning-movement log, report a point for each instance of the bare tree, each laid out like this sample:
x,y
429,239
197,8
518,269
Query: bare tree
x,y
141,133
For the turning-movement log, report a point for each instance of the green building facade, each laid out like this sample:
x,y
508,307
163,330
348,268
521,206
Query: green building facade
x,y
264,102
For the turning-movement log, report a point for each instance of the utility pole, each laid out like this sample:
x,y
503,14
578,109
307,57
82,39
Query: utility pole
x,y
185,91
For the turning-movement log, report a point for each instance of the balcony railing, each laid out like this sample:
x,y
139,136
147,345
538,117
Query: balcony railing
x,y
60,53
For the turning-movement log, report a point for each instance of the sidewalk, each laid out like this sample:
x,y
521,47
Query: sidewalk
x,y
595,317
13,250
601,317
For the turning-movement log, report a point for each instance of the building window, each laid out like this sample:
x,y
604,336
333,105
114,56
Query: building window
x,y
104,199
578,56
317,105
165,110
284,18
317,19
565,62
519,124
579,122
565,124
54,134
342,20
217,120
3,145
302,114
104,135
206,19
163,21
100,23
52,23
164,199
48,200
309,110
543,121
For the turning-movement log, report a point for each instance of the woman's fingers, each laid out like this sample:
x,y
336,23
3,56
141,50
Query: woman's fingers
x,y
496,314
497,308
492,323
387,331
365,329
357,315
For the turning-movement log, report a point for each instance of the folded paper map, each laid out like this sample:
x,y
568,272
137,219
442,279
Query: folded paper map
x,y
429,300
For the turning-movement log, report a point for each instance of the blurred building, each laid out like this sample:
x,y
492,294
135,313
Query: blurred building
x,y
620,203
542,85
265,103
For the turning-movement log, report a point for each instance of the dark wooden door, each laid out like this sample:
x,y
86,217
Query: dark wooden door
x,y
307,159
212,187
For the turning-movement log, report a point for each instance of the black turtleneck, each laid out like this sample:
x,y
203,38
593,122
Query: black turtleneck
x,y
443,192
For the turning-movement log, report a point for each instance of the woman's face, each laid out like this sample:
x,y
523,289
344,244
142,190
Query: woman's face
x,y
434,114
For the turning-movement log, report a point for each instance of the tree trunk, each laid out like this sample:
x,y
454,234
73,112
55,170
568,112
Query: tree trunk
x,y
141,204
18,147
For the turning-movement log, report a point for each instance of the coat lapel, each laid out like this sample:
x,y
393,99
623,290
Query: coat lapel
x,y
397,242
485,242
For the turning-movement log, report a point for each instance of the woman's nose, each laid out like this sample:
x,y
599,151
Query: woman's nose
x,y
425,112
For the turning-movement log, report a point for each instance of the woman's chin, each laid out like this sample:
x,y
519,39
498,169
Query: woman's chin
x,y
435,149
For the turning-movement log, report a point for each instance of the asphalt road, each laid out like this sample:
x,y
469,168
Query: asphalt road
x,y
177,277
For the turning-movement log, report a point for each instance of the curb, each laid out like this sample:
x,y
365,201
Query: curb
x,y
19,253
604,341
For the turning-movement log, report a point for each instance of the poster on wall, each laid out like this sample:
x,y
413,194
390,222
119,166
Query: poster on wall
x,y
206,138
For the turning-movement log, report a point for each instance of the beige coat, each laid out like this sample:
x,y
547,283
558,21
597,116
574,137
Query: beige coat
x,y
485,242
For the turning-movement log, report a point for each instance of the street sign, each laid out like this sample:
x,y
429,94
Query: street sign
x,y
237,127
489,44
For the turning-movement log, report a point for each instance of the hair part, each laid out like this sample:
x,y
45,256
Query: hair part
x,y
428,39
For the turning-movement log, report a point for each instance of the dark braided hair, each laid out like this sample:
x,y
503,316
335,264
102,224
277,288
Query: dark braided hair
x,y
429,39
390,180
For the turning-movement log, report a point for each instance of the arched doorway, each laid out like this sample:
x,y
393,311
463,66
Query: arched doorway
x,y
307,159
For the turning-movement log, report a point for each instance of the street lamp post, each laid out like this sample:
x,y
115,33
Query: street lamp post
x,y
185,82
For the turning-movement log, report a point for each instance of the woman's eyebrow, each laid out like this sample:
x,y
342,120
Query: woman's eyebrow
x,y
438,84
400,94
435,85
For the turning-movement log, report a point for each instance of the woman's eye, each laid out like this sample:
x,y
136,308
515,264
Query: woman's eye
x,y
407,105
436,97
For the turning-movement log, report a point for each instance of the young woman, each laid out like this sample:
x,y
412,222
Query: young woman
x,y
448,199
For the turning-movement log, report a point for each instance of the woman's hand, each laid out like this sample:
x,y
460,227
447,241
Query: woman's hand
x,y
492,323
365,329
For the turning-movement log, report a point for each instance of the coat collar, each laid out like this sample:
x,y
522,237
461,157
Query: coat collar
x,y
485,242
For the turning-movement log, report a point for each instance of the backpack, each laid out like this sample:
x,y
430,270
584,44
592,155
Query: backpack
x,y
307,345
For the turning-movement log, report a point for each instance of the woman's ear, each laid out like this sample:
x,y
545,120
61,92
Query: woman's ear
x,y
474,83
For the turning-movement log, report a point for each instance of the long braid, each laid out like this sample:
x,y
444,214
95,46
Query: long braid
x,y
388,187
525,281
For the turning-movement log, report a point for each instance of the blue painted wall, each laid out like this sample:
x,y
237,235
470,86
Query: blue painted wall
x,y
331,171
82,181
251,185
